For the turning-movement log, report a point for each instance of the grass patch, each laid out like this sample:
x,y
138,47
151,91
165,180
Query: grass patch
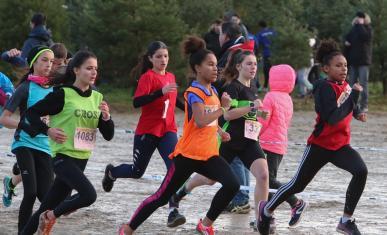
x,y
119,99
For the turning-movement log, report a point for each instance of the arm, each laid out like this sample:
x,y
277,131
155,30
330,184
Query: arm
x,y
105,123
52,104
203,119
364,32
267,106
146,99
326,104
18,100
106,127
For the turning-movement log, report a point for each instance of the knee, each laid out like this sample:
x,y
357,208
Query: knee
x,y
262,176
232,186
90,197
30,195
361,172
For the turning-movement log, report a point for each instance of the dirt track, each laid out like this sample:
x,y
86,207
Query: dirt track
x,y
325,194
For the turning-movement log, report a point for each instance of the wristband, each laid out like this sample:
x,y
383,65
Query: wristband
x,y
223,110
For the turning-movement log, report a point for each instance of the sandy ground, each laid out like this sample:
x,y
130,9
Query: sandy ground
x,y
325,194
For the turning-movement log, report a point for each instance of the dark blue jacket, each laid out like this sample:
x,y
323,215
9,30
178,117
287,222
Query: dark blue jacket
x,y
263,40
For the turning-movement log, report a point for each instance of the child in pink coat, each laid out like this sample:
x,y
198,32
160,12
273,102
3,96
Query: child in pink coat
x,y
274,132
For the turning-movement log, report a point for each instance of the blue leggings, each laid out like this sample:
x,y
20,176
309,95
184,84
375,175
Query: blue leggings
x,y
143,149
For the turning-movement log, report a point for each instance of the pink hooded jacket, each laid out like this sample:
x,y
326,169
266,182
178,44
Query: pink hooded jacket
x,y
274,132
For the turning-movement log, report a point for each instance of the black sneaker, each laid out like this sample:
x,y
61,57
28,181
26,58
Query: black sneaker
x,y
273,226
296,213
175,219
263,223
348,228
107,181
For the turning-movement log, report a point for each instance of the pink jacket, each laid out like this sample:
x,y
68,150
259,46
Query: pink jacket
x,y
274,132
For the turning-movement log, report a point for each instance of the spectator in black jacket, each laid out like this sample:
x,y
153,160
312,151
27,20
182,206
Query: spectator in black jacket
x,y
358,50
212,38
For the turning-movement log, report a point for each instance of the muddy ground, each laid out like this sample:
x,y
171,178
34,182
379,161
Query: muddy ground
x,y
325,194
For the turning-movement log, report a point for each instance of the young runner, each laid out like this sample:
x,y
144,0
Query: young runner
x,y
242,125
335,104
32,153
273,137
202,111
156,94
75,112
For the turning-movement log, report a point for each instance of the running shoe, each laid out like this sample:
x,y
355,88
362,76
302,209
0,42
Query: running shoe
x,y
204,230
273,226
107,181
348,228
263,224
296,213
45,224
239,208
175,219
8,192
123,230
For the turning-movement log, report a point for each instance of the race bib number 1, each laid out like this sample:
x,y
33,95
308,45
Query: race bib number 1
x,y
252,129
84,138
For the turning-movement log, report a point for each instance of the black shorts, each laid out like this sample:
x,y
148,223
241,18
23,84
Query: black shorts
x,y
248,155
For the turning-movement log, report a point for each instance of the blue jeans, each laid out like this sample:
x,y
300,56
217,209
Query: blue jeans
x,y
243,176
360,74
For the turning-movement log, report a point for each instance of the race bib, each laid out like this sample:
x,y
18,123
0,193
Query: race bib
x,y
84,138
344,96
210,109
252,129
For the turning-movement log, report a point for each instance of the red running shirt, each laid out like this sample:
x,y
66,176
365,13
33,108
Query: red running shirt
x,y
157,117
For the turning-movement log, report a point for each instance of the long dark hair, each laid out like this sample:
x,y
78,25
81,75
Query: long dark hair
x,y
230,72
144,63
68,78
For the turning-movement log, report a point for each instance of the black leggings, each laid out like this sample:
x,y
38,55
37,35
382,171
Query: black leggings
x,y
69,176
215,168
37,176
273,162
314,159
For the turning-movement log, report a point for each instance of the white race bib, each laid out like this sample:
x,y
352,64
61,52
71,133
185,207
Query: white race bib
x,y
210,109
84,138
252,129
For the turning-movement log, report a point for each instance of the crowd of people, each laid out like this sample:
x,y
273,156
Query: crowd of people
x,y
61,110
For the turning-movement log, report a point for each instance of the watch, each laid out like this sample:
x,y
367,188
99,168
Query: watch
x,y
252,109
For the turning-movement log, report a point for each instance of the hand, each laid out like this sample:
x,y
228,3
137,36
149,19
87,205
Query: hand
x,y
169,88
225,136
362,117
264,114
257,104
14,52
57,135
357,87
104,110
347,44
225,101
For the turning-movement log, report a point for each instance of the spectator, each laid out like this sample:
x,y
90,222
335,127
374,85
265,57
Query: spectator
x,y
212,37
39,35
358,50
263,38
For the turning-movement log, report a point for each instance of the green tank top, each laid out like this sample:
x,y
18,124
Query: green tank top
x,y
79,120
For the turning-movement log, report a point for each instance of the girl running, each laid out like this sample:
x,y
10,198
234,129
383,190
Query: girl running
x,y
76,111
242,125
32,153
335,104
274,131
156,94
202,111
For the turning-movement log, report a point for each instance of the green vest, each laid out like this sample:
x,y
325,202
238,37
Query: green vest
x,y
79,120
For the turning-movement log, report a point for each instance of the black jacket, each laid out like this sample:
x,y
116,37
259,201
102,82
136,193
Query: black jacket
x,y
360,50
